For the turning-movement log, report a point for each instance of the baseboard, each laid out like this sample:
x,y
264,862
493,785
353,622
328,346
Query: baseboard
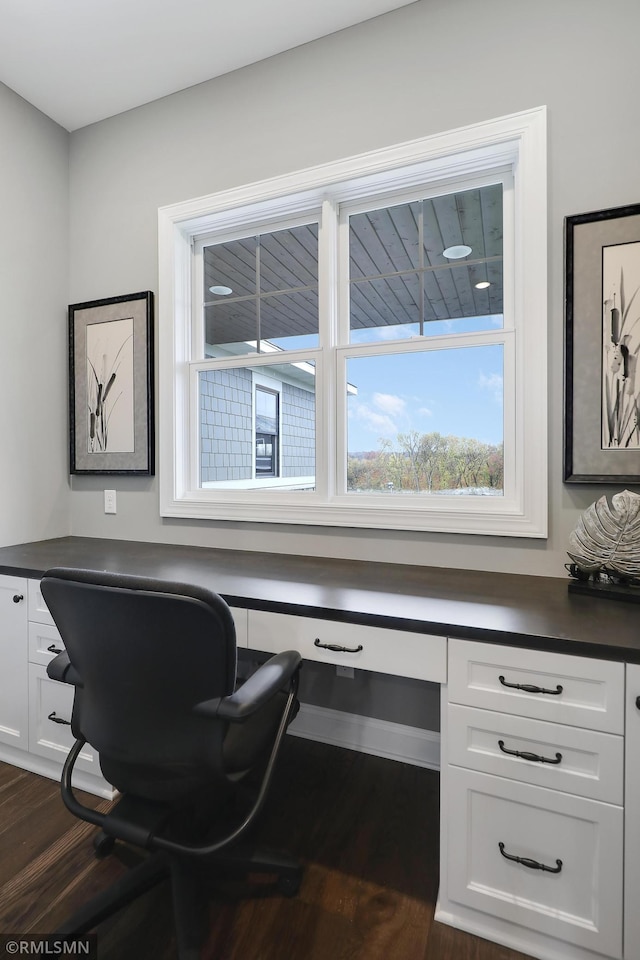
x,y
394,741
52,770
530,943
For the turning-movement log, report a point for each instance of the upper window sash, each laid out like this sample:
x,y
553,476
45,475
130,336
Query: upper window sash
x,y
427,192
259,228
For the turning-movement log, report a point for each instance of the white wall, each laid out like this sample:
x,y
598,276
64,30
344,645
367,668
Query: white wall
x,y
34,278
432,66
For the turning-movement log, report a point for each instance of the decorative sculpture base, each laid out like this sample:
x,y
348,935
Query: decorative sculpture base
x,y
608,591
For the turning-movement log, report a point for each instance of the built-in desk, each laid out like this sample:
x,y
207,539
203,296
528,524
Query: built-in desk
x,y
540,842
511,609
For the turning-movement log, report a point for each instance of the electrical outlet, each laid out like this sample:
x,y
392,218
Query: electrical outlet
x,y
110,501
344,672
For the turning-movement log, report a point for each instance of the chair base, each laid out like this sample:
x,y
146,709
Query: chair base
x,y
190,880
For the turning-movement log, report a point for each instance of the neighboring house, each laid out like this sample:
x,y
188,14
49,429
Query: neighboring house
x,y
257,430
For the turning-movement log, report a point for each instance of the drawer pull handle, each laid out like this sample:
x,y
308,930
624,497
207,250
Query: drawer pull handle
x,y
53,649
54,719
530,688
17,597
337,649
525,755
531,864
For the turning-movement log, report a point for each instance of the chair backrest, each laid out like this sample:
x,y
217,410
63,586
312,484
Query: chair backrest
x,y
146,651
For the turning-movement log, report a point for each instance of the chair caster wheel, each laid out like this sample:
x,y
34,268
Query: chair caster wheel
x,y
288,886
103,845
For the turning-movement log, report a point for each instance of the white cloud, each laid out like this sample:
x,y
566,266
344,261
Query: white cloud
x,y
378,423
425,411
389,403
393,331
493,383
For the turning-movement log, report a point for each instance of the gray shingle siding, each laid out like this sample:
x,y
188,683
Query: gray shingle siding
x,y
227,443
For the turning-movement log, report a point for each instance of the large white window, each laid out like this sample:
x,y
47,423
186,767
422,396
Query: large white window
x,y
363,343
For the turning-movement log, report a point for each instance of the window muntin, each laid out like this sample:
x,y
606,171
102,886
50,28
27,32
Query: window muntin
x,y
261,288
455,161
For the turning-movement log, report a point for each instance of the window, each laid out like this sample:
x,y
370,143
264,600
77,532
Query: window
x,y
267,407
364,344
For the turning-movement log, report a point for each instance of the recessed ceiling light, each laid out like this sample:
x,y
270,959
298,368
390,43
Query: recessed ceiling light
x,y
221,291
457,251
482,285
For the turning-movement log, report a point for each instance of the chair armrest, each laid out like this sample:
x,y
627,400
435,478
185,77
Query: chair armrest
x,y
60,669
268,679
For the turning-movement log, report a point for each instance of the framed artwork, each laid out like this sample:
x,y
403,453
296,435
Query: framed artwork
x,y
602,347
111,385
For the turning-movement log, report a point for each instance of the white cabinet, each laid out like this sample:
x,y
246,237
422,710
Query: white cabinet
x,y
533,683
13,675
532,806
44,642
571,888
35,712
38,610
240,619
50,705
51,702
587,763
398,652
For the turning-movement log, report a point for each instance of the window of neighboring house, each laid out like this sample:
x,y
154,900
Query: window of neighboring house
x,y
364,344
267,431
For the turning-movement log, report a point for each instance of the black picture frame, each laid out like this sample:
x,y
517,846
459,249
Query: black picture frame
x,y
111,422
602,348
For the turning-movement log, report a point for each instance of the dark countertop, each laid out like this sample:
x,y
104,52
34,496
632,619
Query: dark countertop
x,y
512,609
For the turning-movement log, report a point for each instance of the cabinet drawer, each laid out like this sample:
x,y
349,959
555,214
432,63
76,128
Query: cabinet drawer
x,y
44,642
580,904
38,610
240,619
585,762
573,690
39,613
50,701
368,648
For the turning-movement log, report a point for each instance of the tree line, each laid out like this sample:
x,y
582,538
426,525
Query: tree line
x,y
427,463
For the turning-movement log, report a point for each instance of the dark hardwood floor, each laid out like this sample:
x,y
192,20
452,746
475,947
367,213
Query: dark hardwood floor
x,y
365,828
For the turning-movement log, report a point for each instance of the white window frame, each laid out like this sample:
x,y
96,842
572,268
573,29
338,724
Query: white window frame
x,y
517,142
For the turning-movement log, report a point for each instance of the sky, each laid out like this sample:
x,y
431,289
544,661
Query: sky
x,y
456,392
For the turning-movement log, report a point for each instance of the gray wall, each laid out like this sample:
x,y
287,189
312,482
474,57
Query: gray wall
x,y
432,66
34,278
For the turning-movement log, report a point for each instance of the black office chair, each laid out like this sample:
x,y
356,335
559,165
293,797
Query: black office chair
x,y
153,664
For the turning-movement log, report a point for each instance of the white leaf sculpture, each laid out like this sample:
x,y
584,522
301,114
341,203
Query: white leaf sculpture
x,y
608,537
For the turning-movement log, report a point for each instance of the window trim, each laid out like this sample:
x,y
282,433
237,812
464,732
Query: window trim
x,y
518,141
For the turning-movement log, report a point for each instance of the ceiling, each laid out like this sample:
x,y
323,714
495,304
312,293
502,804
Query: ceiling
x,y
80,61
401,282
